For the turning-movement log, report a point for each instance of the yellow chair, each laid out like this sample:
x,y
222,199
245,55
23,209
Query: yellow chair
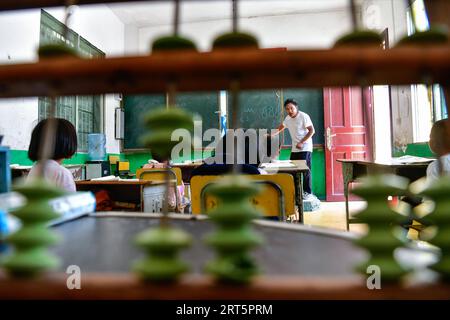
x,y
158,174
277,198
113,159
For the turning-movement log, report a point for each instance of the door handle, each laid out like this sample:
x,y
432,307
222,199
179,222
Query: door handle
x,y
329,138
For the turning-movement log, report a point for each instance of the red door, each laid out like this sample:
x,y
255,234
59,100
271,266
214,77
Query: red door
x,y
346,133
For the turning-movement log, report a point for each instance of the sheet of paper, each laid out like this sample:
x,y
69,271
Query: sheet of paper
x,y
107,178
411,159
277,165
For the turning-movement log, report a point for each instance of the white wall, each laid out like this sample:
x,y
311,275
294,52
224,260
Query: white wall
x,y
97,24
309,30
391,14
101,27
317,30
19,40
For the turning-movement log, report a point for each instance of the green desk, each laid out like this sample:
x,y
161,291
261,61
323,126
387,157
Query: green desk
x,y
353,169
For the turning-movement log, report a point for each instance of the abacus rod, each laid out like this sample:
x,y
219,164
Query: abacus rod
x,y
47,143
353,14
413,15
234,89
164,219
68,14
235,15
176,17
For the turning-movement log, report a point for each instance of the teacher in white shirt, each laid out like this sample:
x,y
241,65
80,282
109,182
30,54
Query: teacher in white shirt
x,y
301,130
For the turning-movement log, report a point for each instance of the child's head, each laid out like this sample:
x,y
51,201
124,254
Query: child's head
x,y
65,140
440,137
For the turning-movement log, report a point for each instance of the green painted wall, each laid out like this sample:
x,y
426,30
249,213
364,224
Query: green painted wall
x,y
317,171
421,149
21,157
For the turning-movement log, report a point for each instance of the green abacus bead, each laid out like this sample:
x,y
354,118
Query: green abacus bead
x,y
39,189
235,40
360,38
231,214
160,268
33,236
35,212
390,270
234,187
440,188
173,43
443,267
381,186
163,239
56,50
442,238
169,120
160,143
234,240
236,270
434,35
379,240
28,263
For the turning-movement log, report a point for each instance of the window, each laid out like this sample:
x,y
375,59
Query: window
x,y
85,112
428,103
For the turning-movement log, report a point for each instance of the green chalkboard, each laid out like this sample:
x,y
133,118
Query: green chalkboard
x,y
257,109
135,107
310,101
204,105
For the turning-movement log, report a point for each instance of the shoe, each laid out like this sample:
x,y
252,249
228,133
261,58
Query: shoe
x,y
307,196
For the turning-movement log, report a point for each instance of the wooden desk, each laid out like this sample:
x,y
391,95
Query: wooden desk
x,y
310,263
297,171
186,169
120,191
352,169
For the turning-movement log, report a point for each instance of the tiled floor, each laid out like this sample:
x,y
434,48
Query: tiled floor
x,y
332,215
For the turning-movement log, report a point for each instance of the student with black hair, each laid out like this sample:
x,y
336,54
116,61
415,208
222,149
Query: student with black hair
x,y
440,145
301,130
65,147
244,154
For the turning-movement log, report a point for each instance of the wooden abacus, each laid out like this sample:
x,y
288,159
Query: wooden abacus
x,y
208,71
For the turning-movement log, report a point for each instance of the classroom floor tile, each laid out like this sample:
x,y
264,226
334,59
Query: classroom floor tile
x,y
332,215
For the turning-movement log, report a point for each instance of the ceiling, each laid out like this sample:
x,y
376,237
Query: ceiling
x,y
161,12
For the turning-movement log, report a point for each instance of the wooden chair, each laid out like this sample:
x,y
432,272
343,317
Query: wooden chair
x,y
159,174
277,198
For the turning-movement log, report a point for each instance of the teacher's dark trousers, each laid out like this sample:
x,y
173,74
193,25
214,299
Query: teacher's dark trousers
x,y
304,155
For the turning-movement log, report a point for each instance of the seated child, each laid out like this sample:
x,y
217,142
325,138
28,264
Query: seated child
x,y
65,147
440,145
177,200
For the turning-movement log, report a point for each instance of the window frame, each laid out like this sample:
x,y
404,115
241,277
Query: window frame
x,y
48,23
